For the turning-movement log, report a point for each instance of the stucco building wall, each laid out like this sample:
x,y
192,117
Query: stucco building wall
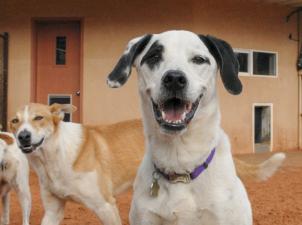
x,y
107,26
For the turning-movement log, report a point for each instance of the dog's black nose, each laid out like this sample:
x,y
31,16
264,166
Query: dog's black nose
x,y
174,80
24,138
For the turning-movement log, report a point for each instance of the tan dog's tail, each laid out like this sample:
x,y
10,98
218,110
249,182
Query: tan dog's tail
x,y
262,171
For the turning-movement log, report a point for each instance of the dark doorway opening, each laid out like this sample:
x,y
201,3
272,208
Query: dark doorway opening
x,y
262,128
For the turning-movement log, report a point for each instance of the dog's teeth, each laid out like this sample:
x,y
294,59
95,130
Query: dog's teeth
x,y
183,116
163,114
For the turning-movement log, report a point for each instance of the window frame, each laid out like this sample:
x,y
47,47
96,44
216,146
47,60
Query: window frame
x,y
251,63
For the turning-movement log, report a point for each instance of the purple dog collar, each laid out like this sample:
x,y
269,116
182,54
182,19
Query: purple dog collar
x,y
187,177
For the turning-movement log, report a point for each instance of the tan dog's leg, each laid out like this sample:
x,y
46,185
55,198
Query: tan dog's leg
x,y
25,202
5,210
24,195
108,213
54,208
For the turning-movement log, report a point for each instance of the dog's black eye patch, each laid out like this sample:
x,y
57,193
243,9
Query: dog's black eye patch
x,y
154,55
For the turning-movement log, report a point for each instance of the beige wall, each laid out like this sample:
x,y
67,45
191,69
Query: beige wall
x,y
107,27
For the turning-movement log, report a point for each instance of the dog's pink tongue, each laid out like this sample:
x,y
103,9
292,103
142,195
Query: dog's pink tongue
x,y
173,115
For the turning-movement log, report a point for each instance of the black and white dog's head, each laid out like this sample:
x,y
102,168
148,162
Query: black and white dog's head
x,y
177,71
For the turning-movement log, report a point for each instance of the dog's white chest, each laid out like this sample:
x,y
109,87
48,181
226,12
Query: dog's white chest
x,y
58,183
65,183
55,177
180,205
60,188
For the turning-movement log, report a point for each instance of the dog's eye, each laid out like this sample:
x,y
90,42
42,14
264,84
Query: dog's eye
x,y
37,118
153,59
199,60
16,120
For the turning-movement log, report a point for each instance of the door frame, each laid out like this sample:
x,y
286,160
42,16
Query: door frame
x,y
34,22
271,125
3,120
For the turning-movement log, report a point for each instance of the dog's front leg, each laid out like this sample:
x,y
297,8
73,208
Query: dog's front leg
x,y
24,196
5,210
54,208
108,213
25,201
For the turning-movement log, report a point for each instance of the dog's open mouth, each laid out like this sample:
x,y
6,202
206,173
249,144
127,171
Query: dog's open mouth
x,y
30,148
175,113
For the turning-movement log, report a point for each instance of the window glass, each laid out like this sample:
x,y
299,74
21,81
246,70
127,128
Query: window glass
x,y
264,63
61,50
243,59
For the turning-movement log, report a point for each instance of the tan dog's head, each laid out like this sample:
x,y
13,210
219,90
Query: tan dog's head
x,y
34,123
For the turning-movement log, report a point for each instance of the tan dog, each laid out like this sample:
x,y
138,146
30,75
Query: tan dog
x,y
14,174
88,164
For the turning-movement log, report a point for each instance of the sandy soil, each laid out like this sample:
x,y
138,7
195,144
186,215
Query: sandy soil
x,y
275,202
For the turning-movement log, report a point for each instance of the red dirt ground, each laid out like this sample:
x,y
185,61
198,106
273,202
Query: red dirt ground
x,y
277,201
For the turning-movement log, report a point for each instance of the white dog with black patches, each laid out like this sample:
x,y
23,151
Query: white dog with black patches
x,y
187,176
14,174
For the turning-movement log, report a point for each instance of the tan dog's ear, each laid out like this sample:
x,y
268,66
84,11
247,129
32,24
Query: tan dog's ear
x,y
6,138
59,110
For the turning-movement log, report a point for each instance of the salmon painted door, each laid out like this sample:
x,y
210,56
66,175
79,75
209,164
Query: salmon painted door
x,y
58,64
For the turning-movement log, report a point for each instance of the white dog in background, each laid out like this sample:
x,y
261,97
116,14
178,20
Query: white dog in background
x,y
14,174
187,176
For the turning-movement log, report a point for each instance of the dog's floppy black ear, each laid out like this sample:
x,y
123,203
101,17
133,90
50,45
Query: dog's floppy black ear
x,y
227,62
122,70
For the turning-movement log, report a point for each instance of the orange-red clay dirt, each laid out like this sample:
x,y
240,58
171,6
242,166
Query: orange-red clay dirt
x,y
277,201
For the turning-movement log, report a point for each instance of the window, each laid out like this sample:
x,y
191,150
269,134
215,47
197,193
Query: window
x,y
257,63
264,63
244,61
60,50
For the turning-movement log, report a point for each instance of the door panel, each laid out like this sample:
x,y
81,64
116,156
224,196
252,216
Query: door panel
x,y
58,62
